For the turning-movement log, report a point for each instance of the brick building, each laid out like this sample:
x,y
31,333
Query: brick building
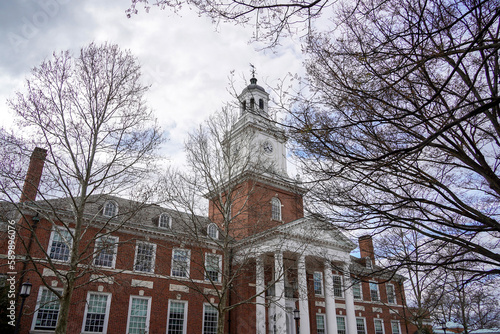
x,y
151,269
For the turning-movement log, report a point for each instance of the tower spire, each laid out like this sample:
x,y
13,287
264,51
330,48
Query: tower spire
x,y
253,80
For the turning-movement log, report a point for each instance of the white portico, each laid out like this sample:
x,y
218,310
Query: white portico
x,y
289,254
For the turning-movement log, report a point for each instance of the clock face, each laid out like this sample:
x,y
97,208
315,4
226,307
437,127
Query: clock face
x,y
267,146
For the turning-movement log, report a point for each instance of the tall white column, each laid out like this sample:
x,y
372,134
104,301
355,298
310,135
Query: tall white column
x,y
349,302
303,301
331,314
279,288
260,286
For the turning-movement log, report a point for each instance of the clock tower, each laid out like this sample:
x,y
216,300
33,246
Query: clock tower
x,y
266,195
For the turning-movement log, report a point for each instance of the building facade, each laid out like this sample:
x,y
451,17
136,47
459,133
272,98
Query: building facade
x,y
151,269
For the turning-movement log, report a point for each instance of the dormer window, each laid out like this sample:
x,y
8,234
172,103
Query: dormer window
x,y
165,221
275,209
212,231
110,209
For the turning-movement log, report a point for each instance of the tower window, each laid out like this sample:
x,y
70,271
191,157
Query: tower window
x,y
244,105
252,103
275,209
261,103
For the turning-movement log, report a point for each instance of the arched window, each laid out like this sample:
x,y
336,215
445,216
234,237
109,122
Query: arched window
x,y
275,209
165,221
110,209
261,103
212,231
244,105
252,103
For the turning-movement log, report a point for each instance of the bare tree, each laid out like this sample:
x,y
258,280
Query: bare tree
x,y
88,112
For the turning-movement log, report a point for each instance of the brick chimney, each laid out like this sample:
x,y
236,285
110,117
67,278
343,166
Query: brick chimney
x,y
32,181
366,247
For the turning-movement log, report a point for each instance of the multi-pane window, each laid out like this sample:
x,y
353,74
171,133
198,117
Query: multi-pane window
x,y
105,251
391,295
318,283
341,325
60,244
145,257
47,310
110,209
395,327
320,323
337,286
212,231
164,221
379,326
180,262
176,323
360,326
212,267
356,289
374,292
138,315
276,208
96,314
210,318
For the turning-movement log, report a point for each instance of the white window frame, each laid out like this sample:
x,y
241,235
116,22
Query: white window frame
x,y
276,209
148,315
104,209
381,323
393,294
321,315
378,292
356,281
359,331
114,247
69,245
205,305
153,260
212,231
340,278
106,315
188,264
168,220
320,281
35,315
184,326
345,324
395,322
219,264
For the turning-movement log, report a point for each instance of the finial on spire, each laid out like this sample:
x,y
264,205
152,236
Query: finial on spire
x,y
253,80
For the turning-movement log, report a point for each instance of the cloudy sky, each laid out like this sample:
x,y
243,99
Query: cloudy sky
x,y
185,58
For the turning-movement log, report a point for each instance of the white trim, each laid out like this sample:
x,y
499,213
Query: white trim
x,y
321,315
169,222
184,328
342,294
219,256
213,225
393,294
322,284
188,262
115,250
378,291
148,316
106,315
104,208
64,229
153,260
203,323
276,204
399,326
364,324
382,322
37,308
360,283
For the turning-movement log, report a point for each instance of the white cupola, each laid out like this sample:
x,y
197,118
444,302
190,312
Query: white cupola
x,y
254,99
